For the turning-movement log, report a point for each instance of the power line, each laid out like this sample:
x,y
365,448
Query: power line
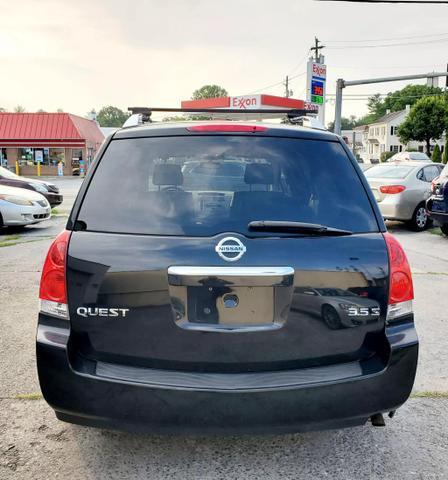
x,y
343,47
388,39
276,84
441,2
300,63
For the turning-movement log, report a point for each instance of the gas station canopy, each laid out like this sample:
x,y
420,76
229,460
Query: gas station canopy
x,y
246,103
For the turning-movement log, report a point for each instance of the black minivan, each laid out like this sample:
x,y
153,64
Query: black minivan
x,y
437,204
225,277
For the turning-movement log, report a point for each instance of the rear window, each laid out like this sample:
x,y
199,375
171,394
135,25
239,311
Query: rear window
x,y
388,171
205,185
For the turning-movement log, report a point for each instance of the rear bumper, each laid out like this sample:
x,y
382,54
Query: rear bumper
x,y
149,403
440,217
394,208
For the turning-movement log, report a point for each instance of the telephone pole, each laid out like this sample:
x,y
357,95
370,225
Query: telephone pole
x,y
288,92
317,48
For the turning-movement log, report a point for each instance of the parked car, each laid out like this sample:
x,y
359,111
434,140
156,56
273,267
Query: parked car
x,y
437,204
49,190
401,190
409,157
165,308
20,207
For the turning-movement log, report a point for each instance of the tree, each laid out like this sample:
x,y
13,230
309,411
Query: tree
x,y
346,123
376,106
426,121
445,154
436,154
111,117
59,110
409,95
209,91
19,109
397,100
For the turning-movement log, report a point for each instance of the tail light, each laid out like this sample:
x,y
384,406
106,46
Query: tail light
x,y
434,185
53,285
392,189
401,289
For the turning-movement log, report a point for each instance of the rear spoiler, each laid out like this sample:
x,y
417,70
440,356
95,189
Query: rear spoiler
x,y
303,117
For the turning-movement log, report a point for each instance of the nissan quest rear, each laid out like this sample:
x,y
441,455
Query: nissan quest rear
x,y
225,278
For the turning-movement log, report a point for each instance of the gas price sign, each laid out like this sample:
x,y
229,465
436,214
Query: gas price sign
x,y
317,76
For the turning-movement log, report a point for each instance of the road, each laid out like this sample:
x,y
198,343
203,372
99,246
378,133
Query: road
x,y
34,445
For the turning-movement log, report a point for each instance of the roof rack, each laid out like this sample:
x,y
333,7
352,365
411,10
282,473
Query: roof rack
x,y
141,115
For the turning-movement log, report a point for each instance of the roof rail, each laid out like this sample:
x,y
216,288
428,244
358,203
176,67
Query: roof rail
x,y
140,115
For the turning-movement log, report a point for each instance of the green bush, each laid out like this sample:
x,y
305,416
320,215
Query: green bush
x,y
436,155
445,154
385,156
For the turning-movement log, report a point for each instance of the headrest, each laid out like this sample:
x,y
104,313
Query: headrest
x,y
259,173
167,174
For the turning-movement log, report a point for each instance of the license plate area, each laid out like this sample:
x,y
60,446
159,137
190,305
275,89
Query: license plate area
x,y
230,298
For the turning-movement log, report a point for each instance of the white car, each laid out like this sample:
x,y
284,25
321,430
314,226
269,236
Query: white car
x,y
20,206
409,157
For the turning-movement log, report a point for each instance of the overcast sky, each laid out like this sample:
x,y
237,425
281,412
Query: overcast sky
x,y
84,54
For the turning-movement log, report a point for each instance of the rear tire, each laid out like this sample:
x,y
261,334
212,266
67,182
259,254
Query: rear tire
x,y
331,317
420,220
444,229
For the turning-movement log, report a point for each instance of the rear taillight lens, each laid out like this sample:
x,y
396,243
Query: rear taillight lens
x,y
392,189
434,185
401,289
53,286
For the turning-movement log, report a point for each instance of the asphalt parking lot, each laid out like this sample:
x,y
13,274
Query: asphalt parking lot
x,y
34,445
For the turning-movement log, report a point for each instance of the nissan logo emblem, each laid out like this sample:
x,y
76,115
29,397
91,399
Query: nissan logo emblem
x,y
230,249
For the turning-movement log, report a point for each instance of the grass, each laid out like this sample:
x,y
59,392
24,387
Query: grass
x,y
54,211
436,231
9,240
29,396
429,394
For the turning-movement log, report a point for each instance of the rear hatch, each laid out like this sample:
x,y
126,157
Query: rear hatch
x,y
165,272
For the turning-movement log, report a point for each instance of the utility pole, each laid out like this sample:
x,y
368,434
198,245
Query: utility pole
x,y
341,84
288,92
317,49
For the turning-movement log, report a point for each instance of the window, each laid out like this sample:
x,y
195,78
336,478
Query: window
x,y
204,185
430,173
388,171
394,148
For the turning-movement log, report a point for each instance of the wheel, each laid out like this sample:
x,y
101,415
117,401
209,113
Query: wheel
x,y
420,219
444,229
331,317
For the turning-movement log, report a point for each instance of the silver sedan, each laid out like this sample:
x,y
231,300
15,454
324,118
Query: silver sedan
x,y
20,206
401,189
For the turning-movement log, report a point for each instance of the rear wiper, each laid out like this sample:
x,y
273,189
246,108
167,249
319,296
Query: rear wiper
x,y
295,227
